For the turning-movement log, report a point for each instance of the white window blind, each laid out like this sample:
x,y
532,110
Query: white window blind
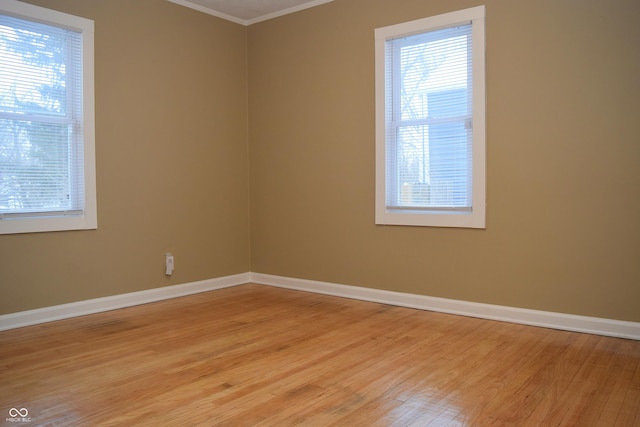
x,y
43,134
429,121
429,146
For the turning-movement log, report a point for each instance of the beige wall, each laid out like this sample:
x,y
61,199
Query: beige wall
x,y
171,154
563,216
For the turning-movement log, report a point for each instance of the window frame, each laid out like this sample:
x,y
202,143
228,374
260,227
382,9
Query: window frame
x,y
87,218
475,218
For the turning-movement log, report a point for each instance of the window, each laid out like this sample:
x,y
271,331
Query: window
x,y
47,160
430,121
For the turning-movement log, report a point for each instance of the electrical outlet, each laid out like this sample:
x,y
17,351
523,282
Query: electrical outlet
x,y
169,264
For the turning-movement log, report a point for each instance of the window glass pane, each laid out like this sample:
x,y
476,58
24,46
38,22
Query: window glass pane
x,y
35,172
433,165
434,61
33,75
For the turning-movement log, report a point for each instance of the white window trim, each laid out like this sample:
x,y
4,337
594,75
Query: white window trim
x,y
475,218
89,218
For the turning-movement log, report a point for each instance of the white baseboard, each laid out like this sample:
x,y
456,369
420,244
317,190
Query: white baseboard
x,y
546,319
97,305
567,322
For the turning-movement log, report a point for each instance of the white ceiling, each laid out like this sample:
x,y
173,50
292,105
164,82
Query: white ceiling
x,y
247,12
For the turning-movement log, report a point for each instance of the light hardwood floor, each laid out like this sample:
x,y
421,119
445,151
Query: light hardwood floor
x,y
255,355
